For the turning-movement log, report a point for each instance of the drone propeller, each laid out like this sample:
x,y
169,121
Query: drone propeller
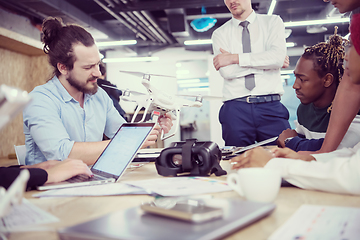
x,y
141,74
123,91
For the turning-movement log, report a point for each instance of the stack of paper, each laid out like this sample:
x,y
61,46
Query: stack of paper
x,y
176,186
25,216
93,190
312,222
182,186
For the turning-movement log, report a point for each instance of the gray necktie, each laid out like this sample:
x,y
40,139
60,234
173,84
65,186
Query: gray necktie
x,y
249,79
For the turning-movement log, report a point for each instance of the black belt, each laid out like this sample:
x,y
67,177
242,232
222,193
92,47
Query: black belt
x,y
259,99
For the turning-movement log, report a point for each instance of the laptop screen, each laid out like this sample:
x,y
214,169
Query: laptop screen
x,y
122,149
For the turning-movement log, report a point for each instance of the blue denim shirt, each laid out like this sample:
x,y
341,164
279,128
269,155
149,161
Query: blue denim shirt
x,y
54,121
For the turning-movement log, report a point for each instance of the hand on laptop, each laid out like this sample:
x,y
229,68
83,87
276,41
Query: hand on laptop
x,y
59,171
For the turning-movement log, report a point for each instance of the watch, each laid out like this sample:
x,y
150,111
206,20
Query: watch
x,y
288,140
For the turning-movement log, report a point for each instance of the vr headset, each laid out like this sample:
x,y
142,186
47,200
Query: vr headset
x,y
191,157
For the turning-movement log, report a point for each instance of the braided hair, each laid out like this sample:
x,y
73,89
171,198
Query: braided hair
x,y
59,39
328,57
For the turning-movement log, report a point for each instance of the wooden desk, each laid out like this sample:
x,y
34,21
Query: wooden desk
x,y
5,162
76,210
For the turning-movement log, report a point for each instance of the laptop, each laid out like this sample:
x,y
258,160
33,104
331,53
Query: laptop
x,y
237,214
115,158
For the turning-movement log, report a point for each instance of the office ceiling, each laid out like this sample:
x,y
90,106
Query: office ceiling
x,y
157,24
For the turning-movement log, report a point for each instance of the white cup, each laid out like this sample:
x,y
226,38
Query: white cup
x,y
256,184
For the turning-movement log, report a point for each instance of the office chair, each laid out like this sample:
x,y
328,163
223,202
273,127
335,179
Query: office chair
x,y
20,154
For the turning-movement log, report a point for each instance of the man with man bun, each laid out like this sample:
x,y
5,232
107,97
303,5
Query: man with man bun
x,y
70,114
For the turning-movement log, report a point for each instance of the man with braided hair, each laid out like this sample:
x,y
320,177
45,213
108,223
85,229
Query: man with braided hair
x,y
337,171
318,73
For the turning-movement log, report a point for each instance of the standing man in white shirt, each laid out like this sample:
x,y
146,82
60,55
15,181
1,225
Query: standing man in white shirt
x,y
249,51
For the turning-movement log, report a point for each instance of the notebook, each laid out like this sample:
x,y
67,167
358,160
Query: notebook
x,y
115,158
234,151
133,223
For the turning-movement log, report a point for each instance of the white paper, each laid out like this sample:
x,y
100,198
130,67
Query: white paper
x,y
181,186
312,222
149,152
94,190
25,216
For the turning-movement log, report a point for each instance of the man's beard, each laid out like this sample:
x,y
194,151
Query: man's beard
x,y
82,86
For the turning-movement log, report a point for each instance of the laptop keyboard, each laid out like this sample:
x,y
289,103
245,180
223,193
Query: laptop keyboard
x,y
84,178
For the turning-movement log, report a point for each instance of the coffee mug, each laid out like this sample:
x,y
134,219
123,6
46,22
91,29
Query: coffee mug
x,y
256,184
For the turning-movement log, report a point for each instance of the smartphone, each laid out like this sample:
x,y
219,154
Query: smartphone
x,y
185,209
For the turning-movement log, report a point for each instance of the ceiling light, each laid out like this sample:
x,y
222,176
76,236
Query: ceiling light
x,y
287,76
317,22
199,84
290,44
200,89
116,43
272,7
188,81
198,42
181,72
286,72
316,29
131,59
203,24
96,34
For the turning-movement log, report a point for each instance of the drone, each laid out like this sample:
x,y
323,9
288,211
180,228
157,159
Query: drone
x,y
157,102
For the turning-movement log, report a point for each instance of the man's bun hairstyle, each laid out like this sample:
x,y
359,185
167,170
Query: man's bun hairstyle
x,y
51,30
59,39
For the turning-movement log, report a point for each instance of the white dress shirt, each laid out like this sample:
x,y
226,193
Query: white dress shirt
x,y
337,171
268,52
